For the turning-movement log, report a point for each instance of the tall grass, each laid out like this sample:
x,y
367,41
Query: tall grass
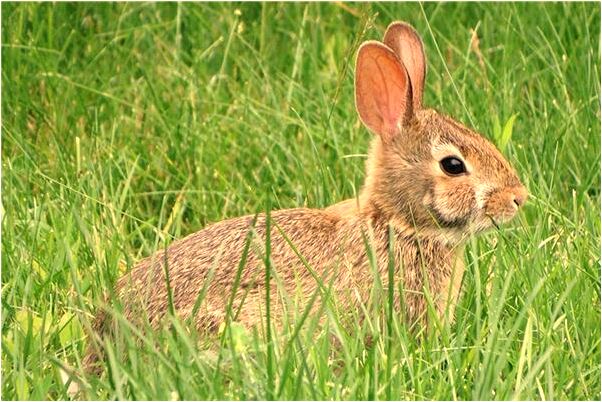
x,y
127,125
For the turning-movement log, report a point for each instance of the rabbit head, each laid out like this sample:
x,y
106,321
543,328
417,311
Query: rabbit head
x,y
426,170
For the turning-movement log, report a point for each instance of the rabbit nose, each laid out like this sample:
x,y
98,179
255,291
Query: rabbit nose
x,y
519,196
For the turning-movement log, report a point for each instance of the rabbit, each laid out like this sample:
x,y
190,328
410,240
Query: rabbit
x,y
430,183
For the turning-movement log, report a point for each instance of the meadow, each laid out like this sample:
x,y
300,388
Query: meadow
x,y
128,125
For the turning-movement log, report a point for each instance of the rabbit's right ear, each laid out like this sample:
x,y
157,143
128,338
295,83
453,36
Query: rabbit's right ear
x,y
383,94
407,45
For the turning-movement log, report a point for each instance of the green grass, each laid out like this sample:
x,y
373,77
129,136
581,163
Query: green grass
x,y
125,126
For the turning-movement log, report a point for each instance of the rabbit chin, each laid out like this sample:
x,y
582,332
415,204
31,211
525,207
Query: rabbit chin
x,y
466,227
457,235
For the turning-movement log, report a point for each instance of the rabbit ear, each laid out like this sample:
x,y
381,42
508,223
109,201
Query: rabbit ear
x,y
383,95
407,45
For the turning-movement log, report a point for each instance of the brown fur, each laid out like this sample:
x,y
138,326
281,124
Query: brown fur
x,y
430,214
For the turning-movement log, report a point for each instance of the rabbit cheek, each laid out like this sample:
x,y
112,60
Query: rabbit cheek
x,y
452,203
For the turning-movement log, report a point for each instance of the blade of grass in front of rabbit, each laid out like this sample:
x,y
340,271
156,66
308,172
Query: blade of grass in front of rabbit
x,y
206,283
430,310
390,291
227,331
268,328
241,265
326,305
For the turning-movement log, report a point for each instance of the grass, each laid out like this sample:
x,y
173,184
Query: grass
x,y
127,125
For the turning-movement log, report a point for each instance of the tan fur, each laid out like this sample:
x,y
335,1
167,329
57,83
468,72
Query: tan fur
x,y
430,214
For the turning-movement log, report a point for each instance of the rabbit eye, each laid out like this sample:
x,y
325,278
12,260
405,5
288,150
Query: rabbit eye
x,y
452,166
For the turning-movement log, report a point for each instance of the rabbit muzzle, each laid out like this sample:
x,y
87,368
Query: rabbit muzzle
x,y
502,205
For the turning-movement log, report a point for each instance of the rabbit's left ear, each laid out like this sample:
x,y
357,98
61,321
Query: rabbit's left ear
x,y
383,94
407,45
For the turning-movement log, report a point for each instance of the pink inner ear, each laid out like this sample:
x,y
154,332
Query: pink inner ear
x,y
382,90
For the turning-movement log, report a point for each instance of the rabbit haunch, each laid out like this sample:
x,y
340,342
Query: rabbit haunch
x,y
429,210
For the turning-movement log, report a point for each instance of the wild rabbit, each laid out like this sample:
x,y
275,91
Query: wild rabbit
x,y
430,183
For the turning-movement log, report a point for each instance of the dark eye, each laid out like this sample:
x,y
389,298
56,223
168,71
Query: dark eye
x,y
452,166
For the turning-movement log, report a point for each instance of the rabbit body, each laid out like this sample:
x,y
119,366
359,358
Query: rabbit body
x,y
310,248
430,183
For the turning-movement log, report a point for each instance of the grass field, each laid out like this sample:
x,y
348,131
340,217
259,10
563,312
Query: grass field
x,y
125,126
